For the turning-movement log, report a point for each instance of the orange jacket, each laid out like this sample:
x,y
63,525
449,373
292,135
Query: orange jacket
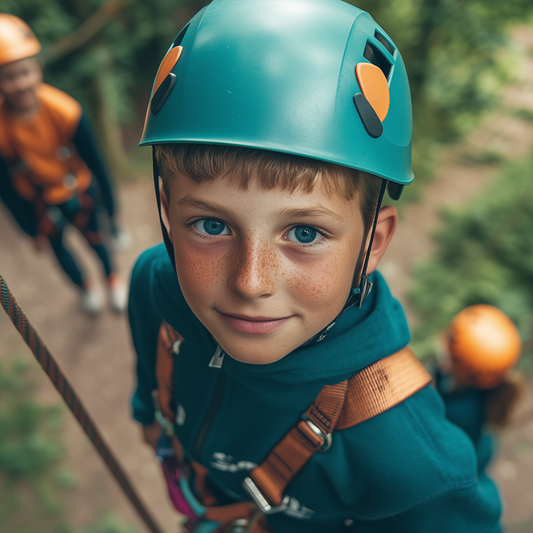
x,y
39,150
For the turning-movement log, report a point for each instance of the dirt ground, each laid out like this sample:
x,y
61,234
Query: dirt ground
x,y
96,353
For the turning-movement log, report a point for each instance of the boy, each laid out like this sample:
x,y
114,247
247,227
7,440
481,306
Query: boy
x,y
51,174
277,127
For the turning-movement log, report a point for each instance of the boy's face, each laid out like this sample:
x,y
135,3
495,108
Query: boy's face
x,y
264,270
18,83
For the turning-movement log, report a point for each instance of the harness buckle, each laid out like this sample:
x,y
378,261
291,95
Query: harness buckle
x,y
264,505
326,437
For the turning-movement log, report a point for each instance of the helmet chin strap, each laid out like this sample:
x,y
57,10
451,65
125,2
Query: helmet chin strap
x,y
365,285
166,238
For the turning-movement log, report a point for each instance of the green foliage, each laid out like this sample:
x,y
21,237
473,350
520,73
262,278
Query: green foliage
x,y
458,57
127,47
31,450
109,523
29,446
484,255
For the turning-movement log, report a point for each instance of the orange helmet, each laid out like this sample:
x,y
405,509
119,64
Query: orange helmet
x,y
484,345
17,41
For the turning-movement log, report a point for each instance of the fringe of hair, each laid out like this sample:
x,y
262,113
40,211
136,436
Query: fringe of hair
x,y
204,163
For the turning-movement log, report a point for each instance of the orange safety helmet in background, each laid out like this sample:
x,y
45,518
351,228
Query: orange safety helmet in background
x,y
17,41
484,346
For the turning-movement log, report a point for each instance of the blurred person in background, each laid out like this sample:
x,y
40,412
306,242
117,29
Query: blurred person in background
x,y
51,172
476,377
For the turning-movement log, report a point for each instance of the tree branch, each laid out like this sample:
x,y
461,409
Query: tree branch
x,y
86,31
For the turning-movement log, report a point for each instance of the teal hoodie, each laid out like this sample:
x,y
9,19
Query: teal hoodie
x,y
405,470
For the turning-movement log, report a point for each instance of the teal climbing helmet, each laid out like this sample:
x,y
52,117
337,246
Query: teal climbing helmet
x,y
313,78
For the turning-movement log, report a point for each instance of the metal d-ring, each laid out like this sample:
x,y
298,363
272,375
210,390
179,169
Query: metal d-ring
x,y
326,437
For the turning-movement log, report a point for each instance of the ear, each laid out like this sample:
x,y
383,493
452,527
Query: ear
x,y
385,228
165,213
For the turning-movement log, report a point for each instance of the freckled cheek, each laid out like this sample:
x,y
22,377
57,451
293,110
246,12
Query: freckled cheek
x,y
198,271
325,283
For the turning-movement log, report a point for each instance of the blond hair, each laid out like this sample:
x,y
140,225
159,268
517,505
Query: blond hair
x,y
205,162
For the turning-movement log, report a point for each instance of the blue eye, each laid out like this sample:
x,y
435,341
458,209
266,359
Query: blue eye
x,y
303,234
211,226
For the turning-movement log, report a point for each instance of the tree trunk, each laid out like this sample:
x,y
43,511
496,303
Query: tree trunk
x,y
106,119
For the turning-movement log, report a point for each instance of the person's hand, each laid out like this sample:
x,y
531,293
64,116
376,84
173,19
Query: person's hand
x,y
151,434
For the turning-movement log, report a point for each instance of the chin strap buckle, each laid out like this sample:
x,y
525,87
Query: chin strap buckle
x,y
218,358
363,290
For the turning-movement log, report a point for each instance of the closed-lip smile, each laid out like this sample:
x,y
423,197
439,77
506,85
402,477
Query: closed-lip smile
x,y
256,325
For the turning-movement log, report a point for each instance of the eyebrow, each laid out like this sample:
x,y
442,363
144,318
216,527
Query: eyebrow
x,y
189,201
304,212
312,212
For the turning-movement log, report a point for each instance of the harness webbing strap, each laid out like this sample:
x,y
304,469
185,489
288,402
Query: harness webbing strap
x,y
49,365
291,454
164,369
368,393
383,385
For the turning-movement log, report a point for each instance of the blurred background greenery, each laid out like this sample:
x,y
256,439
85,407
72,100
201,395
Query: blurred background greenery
x,y
106,52
460,57
32,473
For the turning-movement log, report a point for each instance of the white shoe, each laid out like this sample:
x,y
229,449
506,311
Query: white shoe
x,y
122,240
118,293
92,299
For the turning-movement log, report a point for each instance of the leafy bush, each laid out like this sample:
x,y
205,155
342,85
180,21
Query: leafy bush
x,y
456,54
459,57
31,452
29,446
109,523
484,255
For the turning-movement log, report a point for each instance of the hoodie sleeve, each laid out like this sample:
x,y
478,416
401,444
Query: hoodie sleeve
x,y
85,144
422,474
144,323
472,509
21,210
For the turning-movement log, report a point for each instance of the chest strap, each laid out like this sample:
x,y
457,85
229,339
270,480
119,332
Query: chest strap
x,y
368,393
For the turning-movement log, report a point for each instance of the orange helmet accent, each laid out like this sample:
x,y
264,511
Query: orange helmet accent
x,y
166,66
17,41
374,86
484,346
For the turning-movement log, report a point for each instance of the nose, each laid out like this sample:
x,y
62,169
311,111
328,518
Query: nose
x,y
254,269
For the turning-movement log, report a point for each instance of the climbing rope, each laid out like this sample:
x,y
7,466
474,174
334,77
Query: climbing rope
x,y
49,365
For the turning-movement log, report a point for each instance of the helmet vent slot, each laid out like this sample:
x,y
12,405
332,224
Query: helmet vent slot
x,y
377,58
181,35
162,93
385,42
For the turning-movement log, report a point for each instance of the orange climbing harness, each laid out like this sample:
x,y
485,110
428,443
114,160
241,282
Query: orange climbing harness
x,y
368,393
